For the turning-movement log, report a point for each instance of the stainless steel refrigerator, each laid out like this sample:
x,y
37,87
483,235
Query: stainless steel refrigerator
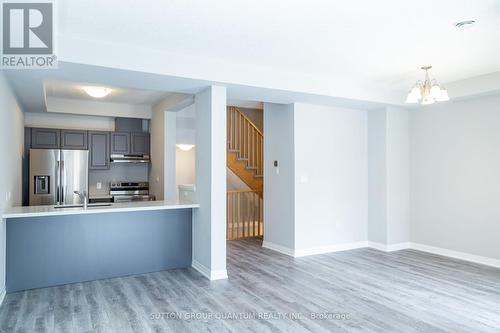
x,y
55,175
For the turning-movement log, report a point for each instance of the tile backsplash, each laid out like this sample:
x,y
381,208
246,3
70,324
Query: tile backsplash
x,y
118,172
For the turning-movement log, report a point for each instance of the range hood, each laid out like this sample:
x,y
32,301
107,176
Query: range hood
x,y
129,158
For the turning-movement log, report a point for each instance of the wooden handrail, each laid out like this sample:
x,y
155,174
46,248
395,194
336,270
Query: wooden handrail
x,y
247,119
246,140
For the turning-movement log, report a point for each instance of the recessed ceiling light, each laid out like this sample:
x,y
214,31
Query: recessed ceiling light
x,y
465,24
185,147
97,92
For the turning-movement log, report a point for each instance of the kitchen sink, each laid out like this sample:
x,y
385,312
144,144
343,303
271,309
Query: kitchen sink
x,y
81,206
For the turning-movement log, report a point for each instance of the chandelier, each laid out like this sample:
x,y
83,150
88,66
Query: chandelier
x,y
427,92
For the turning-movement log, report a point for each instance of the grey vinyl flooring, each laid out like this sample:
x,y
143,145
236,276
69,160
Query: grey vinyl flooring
x,y
361,290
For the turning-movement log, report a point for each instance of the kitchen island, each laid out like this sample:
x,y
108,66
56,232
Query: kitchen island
x,y
48,246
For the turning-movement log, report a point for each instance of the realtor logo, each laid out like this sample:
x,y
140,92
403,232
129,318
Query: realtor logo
x,y
27,35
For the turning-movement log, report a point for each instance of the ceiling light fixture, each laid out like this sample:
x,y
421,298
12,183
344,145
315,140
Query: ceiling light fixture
x,y
185,147
97,92
428,91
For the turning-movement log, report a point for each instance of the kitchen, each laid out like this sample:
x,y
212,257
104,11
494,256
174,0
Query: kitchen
x,y
68,161
92,204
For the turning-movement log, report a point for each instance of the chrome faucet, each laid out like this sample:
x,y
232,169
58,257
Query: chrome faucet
x,y
84,196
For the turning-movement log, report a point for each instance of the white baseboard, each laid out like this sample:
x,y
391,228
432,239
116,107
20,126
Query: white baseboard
x,y
456,254
278,248
389,247
208,273
2,296
383,247
329,249
313,251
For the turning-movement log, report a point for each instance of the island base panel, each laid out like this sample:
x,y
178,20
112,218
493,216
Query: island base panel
x,y
56,250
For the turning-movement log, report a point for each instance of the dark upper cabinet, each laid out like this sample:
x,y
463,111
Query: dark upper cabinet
x,y
45,138
139,143
120,143
136,143
99,150
74,139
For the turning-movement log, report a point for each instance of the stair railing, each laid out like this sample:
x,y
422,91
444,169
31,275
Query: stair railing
x,y
246,140
244,214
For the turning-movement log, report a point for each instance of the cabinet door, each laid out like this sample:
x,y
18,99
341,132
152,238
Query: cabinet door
x,y
139,143
72,139
99,150
45,138
120,143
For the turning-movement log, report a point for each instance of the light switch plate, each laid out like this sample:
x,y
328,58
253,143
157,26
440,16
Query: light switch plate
x,y
99,185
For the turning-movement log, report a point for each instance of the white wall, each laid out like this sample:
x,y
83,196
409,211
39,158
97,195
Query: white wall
x,y
163,139
11,146
398,169
186,125
170,157
157,168
69,121
377,176
279,189
455,176
209,221
185,171
186,134
331,176
97,108
388,176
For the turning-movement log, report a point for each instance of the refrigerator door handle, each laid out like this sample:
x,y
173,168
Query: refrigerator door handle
x,y
63,183
58,182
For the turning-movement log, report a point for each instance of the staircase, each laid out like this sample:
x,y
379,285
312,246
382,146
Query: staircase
x,y
245,149
245,157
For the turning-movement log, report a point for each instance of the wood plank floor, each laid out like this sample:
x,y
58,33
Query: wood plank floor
x,y
355,291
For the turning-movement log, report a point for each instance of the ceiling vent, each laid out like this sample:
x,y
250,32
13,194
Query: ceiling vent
x,y
465,24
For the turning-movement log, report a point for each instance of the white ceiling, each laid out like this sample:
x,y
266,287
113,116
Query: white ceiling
x,y
358,53
73,90
366,44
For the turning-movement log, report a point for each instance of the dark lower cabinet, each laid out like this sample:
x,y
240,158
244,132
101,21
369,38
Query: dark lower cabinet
x,y
74,139
99,158
139,143
120,143
45,138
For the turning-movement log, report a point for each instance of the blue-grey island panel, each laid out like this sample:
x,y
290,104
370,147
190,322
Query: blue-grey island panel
x,y
55,250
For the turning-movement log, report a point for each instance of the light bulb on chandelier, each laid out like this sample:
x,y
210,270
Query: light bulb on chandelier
x,y
428,91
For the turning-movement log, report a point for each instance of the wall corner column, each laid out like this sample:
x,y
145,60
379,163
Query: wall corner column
x,y
209,221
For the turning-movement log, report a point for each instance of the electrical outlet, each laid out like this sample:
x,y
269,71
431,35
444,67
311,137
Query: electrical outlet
x,y
99,185
8,196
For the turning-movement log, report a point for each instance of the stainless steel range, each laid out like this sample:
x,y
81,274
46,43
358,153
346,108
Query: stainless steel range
x,y
130,191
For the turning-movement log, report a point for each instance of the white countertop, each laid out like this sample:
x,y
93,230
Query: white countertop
x,y
36,211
